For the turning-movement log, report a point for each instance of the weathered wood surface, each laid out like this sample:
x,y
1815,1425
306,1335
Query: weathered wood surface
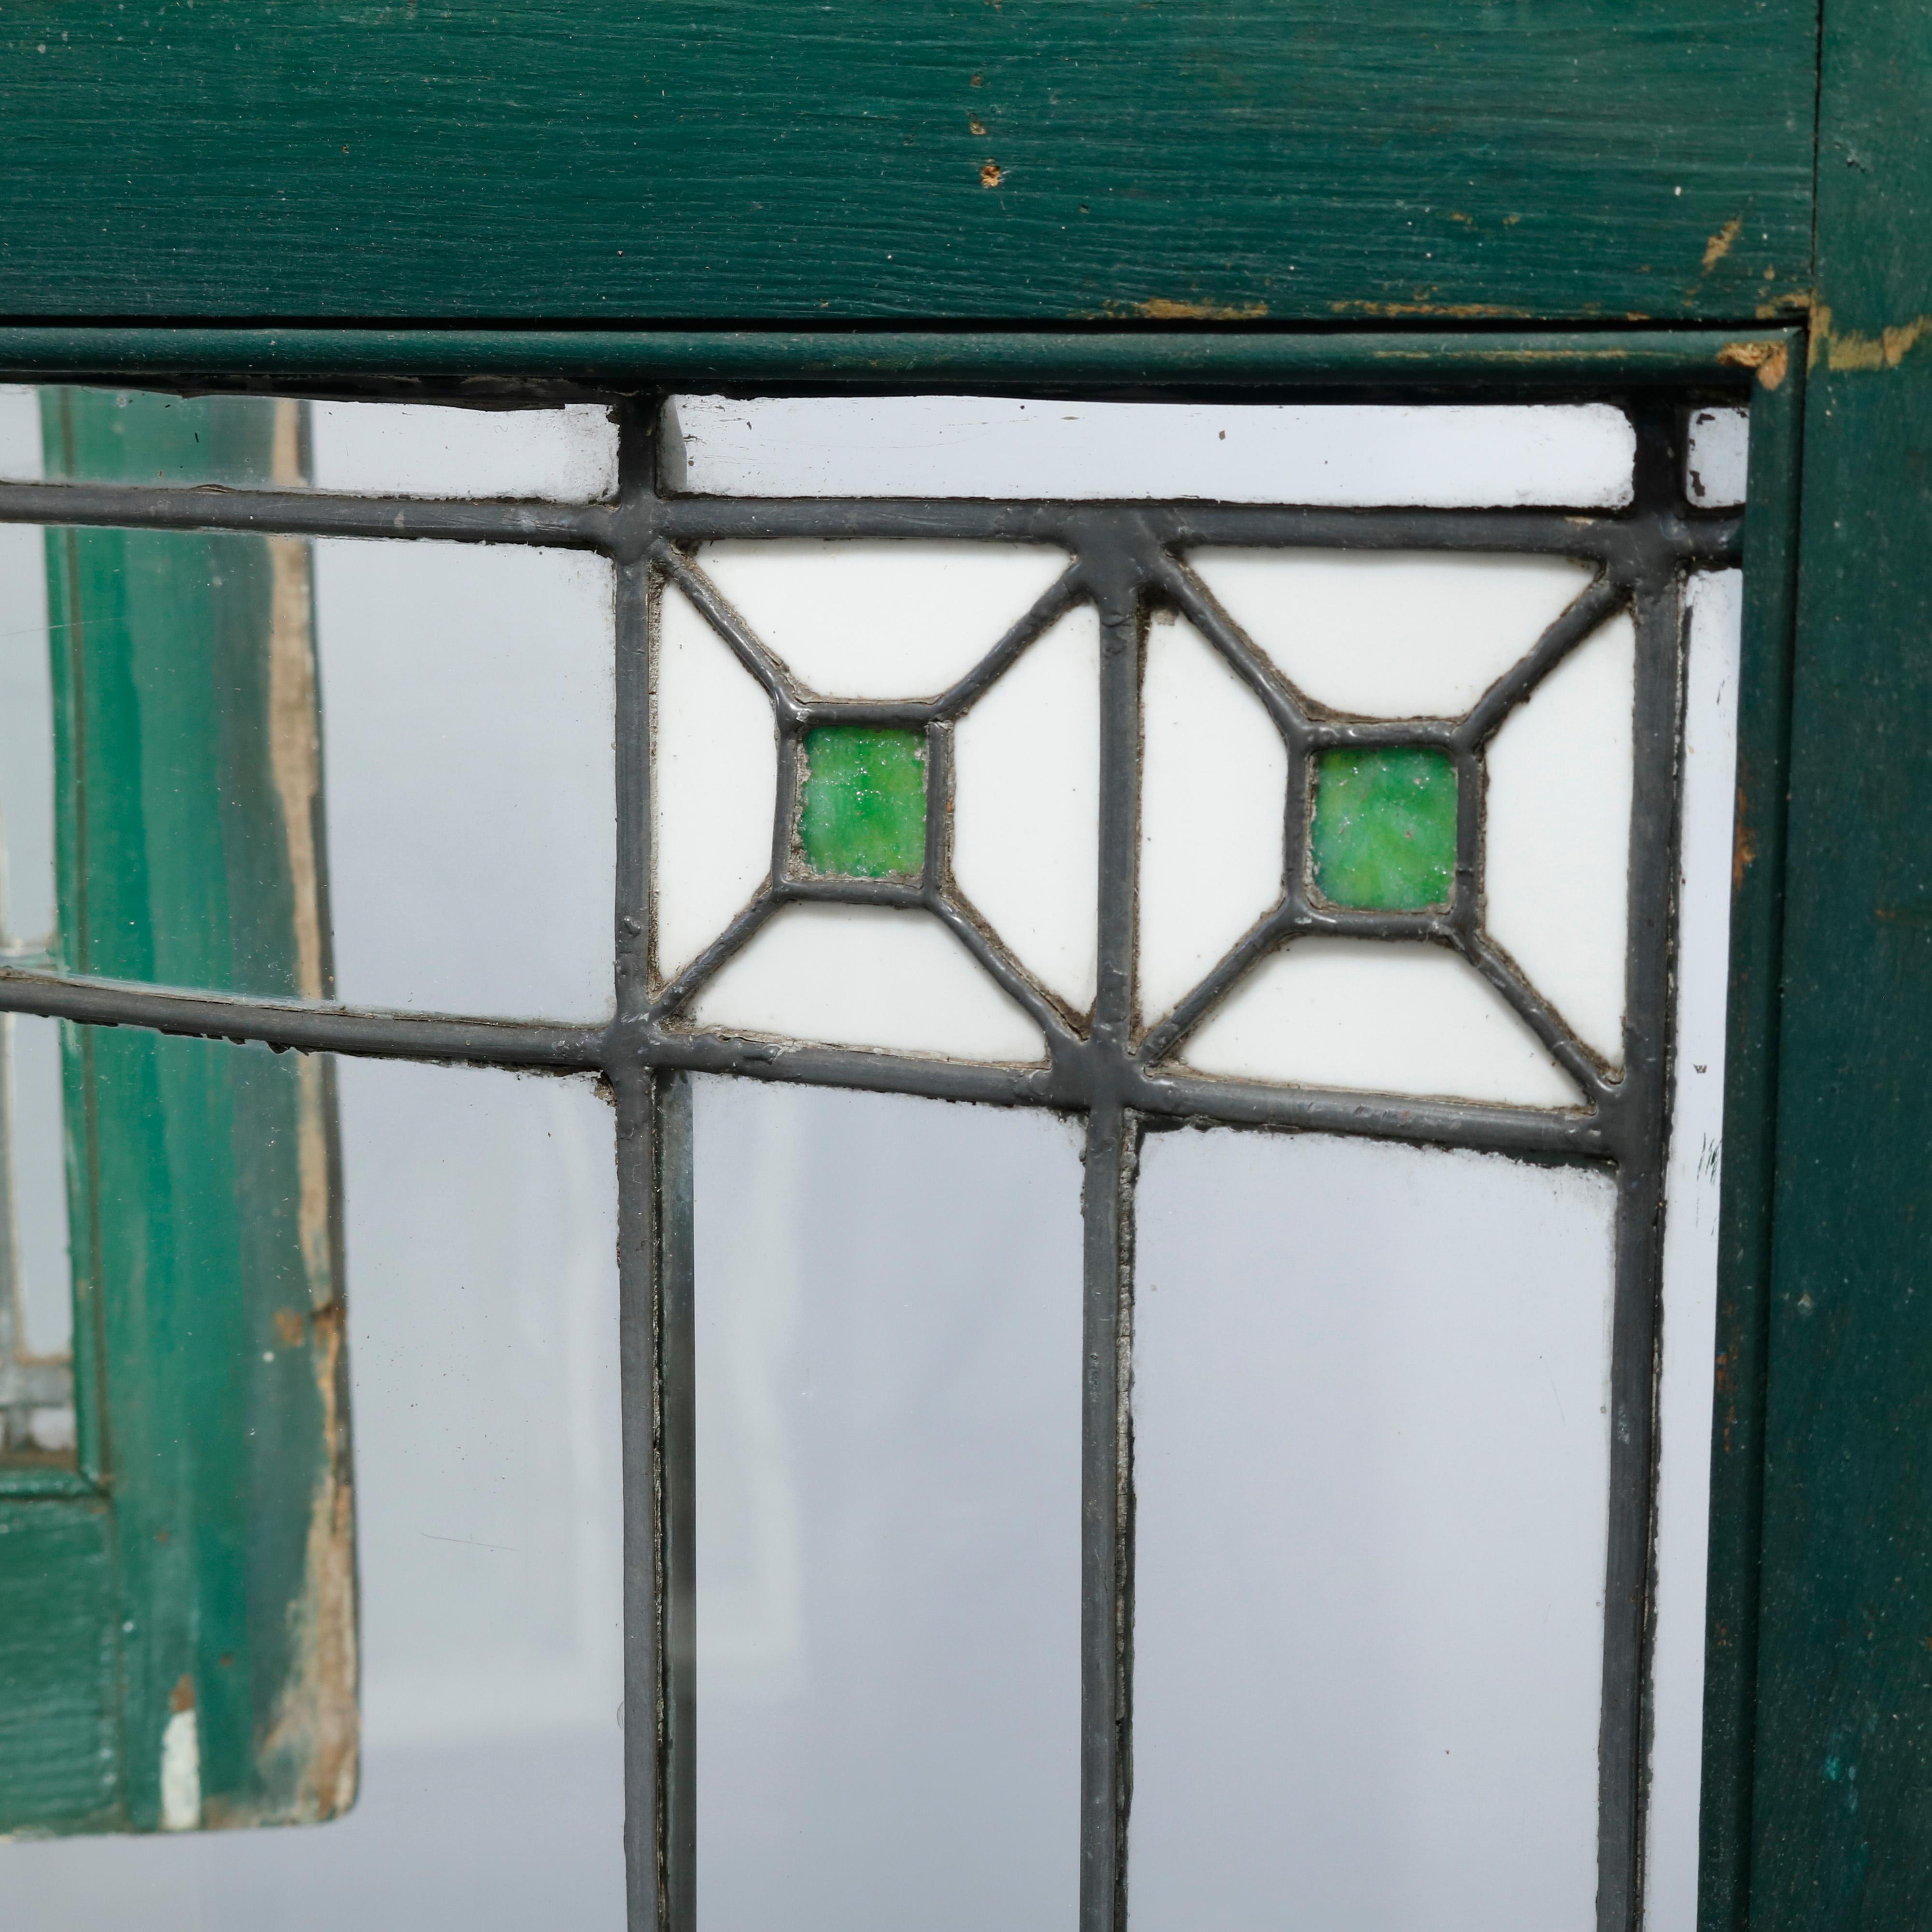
x,y
606,160
1844,1775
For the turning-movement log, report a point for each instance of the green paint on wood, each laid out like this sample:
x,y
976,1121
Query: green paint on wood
x,y
1841,1796
1383,835
207,1243
59,1688
1217,160
864,816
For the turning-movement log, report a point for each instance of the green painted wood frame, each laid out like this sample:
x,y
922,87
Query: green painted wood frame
x,y
835,186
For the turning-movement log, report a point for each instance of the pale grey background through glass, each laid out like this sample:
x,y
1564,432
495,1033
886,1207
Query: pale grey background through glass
x,y
888,1403
1371,1476
483,1330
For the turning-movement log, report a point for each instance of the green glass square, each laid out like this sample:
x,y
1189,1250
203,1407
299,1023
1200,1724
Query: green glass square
x,y
865,802
1384,832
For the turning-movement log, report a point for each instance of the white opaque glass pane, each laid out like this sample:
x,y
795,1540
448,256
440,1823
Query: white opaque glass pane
x,y
1214,799
467,730
714,784
1389,1017
1026,826
20,449
888,1379
1686,1385
1371,1452
879,618
1718,460
566,455
36,1147
862,975
481,1240
1557,830
1575,455
27,914
1391,634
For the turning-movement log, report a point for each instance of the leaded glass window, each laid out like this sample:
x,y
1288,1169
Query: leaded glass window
x,y
1246,1457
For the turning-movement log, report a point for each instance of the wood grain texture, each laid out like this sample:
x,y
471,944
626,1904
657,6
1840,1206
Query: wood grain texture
x,y
59,1685
605,161
1844,1779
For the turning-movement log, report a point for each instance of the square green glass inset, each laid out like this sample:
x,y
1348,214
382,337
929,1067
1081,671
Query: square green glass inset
x,y
864,816
1383,837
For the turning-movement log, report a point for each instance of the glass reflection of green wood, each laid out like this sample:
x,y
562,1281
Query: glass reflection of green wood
x,y
865,802
209,1319
1383,837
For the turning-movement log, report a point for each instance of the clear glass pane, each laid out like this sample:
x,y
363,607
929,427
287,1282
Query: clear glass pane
x,y
27,906
480,1242
467,732
1577,455
888,1416
36,1147
1390,634
1557,833
1213,802
860,975
561,455
879,619
1397,1017
1686,1386
1026,820
714,784
1717,462
1371,1474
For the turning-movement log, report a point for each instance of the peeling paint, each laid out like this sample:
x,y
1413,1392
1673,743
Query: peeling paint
x,y
1464,310
1771,360
1719,245
1853,350
181,1762
318,1723
1160,309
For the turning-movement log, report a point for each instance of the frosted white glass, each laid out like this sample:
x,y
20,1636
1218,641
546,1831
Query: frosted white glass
x,y
886,618
20,449
565,455
1686,1386
1388,1017
863,976
1214,799
467,729
1026,822
27,905
36,1148
1557,833
1393,634
888,1376
714,784
1371,1455
481,1237
1717,462
1578,454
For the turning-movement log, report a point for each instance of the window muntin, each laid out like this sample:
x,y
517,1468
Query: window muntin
x,y
1430,1122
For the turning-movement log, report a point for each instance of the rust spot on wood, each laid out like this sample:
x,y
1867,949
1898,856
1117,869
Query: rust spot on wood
x,y
1160,309
1771,360
1719,245
317,1723
1744,845
182,1697
990,174
975,126
289,1327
